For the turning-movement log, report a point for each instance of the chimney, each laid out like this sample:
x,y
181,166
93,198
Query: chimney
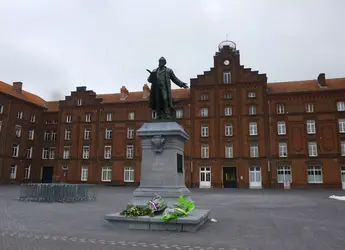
x,y
17,86
146,91
321,80
124,93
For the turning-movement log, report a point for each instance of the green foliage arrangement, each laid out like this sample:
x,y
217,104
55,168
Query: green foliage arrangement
x,y
134,211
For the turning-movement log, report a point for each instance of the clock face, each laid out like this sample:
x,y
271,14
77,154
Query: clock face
x,y
226,62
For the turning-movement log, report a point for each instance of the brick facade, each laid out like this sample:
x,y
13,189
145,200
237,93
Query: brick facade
x,y
241,128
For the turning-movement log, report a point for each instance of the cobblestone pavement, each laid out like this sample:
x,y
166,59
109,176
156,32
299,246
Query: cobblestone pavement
x,y
247,219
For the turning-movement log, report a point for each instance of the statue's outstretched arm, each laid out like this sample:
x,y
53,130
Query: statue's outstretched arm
x,y
177,81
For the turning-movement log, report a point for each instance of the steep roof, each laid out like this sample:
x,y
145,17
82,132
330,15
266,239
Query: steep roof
x,y
306,86
138,96
53,106
23,95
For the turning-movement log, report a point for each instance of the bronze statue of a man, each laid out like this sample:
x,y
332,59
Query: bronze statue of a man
x,y
160,94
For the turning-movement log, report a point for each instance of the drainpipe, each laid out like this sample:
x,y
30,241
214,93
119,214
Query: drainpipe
x,y
5,140
269,145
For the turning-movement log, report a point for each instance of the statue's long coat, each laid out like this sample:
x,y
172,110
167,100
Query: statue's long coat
x,y
169,75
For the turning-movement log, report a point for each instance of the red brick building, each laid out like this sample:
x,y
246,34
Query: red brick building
x,y
244,131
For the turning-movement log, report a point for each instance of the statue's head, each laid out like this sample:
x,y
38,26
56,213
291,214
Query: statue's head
x,y
162,62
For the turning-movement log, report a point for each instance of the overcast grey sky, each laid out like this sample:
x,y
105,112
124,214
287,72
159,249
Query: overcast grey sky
x,y
53,46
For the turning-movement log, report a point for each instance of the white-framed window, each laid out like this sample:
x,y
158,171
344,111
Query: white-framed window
x,y
29,153
46,135
312,149
204,97
31,134
32,118
341,123
18,130
342,148
0,125
130,133
107,152
129,151
227,96
280,109
106,173
284,174
311,128
228,130
52,153
281,128
108,133
254,150
128,174
20,115
251,94
229,151
68,118
45,153
87,134
309,108
15,150
131,116
314,174
283,152
13,172
179,113
154,115
80,102
27,172
204,151
228,111
227,77
84,173
109,117
204,112
88,117
86,152
253,128
66,152
340,106
53,136
1,109
67,134
204,130
252,110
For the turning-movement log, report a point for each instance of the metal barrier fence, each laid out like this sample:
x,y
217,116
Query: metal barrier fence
x,y
57,192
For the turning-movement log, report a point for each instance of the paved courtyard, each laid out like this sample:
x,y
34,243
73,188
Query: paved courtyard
x,y
247,219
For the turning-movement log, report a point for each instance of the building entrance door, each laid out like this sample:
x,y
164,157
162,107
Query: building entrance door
x,y
255,177
205,177
47,175
229,177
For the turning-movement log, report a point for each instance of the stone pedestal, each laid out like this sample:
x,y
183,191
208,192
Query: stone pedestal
x,y
162,173
162,166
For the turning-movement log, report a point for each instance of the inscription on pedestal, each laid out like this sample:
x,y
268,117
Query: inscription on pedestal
x,y
157,164
179,163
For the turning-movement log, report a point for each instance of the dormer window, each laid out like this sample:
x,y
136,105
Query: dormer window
x,y
80,102
227,77
251,95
